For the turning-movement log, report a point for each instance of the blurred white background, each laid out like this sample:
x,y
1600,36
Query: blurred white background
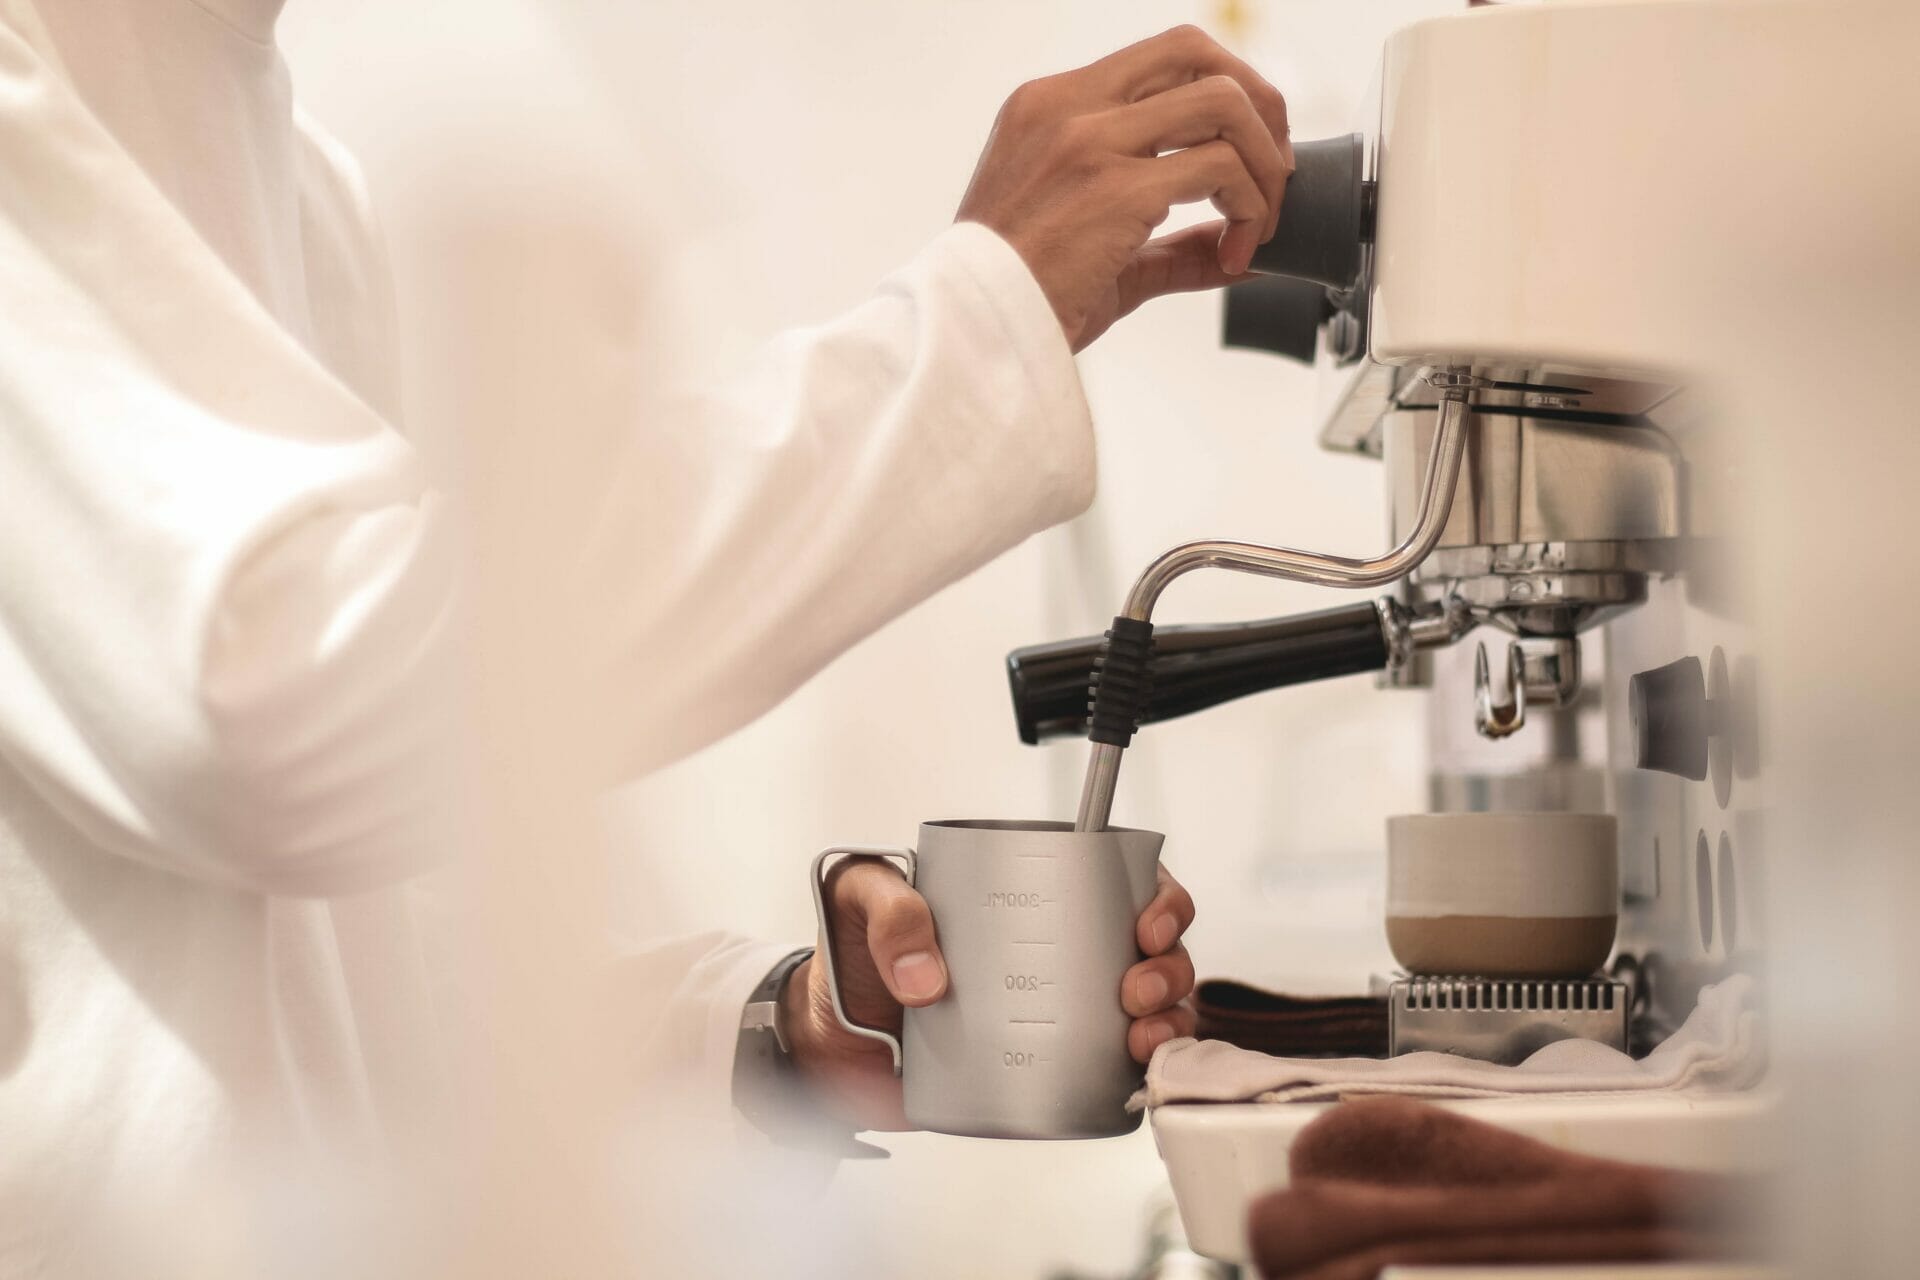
x,y
789,156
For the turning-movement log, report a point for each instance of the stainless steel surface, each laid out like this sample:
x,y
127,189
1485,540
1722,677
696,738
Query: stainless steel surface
x,y
1540,671
1435,628
1344,336
1555,763
1416,670
1529,603
1502,1021
1442,471
1549,669
1593,557
1424,528
1373,391
1036,924
1410,630
1535,480
1556,525
1520,387
1396,630
1695,856
1353,426
1503,717
1096,793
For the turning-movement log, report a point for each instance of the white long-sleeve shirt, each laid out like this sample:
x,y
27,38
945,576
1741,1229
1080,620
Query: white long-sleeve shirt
x,y
229,587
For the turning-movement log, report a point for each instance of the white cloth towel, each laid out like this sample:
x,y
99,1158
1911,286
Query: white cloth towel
x,y
1718,1047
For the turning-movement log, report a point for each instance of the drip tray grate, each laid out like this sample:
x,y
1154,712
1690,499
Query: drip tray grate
x,y
1502,1019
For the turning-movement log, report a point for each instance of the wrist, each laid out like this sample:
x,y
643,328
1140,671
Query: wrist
x,y
799,1029
843,1075
771,1088
816,1044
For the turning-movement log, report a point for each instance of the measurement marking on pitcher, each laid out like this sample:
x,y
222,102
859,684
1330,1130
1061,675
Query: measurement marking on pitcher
x,y
1030,1022
1020,1058
1034,942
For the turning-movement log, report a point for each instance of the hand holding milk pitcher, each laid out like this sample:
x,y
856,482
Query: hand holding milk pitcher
x,y
1063,971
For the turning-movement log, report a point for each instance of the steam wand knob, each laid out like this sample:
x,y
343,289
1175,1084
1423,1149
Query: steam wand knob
x,y
1674,722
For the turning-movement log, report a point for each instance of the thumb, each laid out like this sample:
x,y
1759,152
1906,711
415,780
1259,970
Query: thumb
x,y
1180,262
900,933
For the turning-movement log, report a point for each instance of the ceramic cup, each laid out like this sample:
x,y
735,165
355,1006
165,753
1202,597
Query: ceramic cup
x,y
1502,895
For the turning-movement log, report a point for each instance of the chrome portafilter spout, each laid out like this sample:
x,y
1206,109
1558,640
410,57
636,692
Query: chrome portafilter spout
x,y
1123,682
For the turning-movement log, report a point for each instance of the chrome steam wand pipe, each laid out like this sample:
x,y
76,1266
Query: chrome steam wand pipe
x,y
1436,502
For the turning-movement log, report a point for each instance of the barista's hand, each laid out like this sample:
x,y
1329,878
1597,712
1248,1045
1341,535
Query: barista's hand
x,y
901,965
1081,167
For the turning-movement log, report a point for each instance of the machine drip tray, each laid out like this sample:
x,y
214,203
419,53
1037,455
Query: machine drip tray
x,y
1500,1019
1221,1157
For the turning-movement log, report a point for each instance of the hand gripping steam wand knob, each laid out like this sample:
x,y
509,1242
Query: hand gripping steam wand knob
x,y
1123,682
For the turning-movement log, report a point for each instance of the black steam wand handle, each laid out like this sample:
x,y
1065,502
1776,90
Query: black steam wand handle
x,y
1190,668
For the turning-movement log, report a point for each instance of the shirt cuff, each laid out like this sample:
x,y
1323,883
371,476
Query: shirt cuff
x,y
1019,308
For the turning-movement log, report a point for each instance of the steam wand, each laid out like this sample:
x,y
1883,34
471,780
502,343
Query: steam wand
x,y
1123,681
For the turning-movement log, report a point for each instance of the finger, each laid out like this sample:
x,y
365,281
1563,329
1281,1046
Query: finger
x,y
1179,262
1237,243
1211,171
1157,984
1167,917
900,933
1186,53
1148,1034
1201,111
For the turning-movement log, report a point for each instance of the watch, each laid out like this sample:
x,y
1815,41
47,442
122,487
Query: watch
x,y
767,1087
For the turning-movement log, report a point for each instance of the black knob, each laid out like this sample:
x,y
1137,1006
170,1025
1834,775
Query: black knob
x,y
1672,723
1277,314
1325,215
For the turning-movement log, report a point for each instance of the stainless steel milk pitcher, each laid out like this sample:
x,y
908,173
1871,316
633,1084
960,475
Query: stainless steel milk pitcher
x,y
1036,921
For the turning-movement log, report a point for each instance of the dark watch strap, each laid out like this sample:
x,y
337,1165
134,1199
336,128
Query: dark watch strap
x,y
767,1087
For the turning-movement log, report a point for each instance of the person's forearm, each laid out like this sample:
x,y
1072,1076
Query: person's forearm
x,y
854,470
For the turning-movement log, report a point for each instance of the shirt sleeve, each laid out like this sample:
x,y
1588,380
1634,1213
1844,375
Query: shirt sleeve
x,y
229,588
686,996
180,478
856,468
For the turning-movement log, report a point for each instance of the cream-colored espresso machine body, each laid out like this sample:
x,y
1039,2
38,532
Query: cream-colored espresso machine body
x,y
1553,188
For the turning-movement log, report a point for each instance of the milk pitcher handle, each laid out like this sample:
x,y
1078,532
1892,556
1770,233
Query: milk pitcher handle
x,y
905,858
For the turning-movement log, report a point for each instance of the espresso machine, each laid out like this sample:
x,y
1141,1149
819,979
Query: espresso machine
x,y
1479,276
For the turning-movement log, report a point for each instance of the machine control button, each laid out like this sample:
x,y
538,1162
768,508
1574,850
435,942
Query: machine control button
x,y
1673,721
